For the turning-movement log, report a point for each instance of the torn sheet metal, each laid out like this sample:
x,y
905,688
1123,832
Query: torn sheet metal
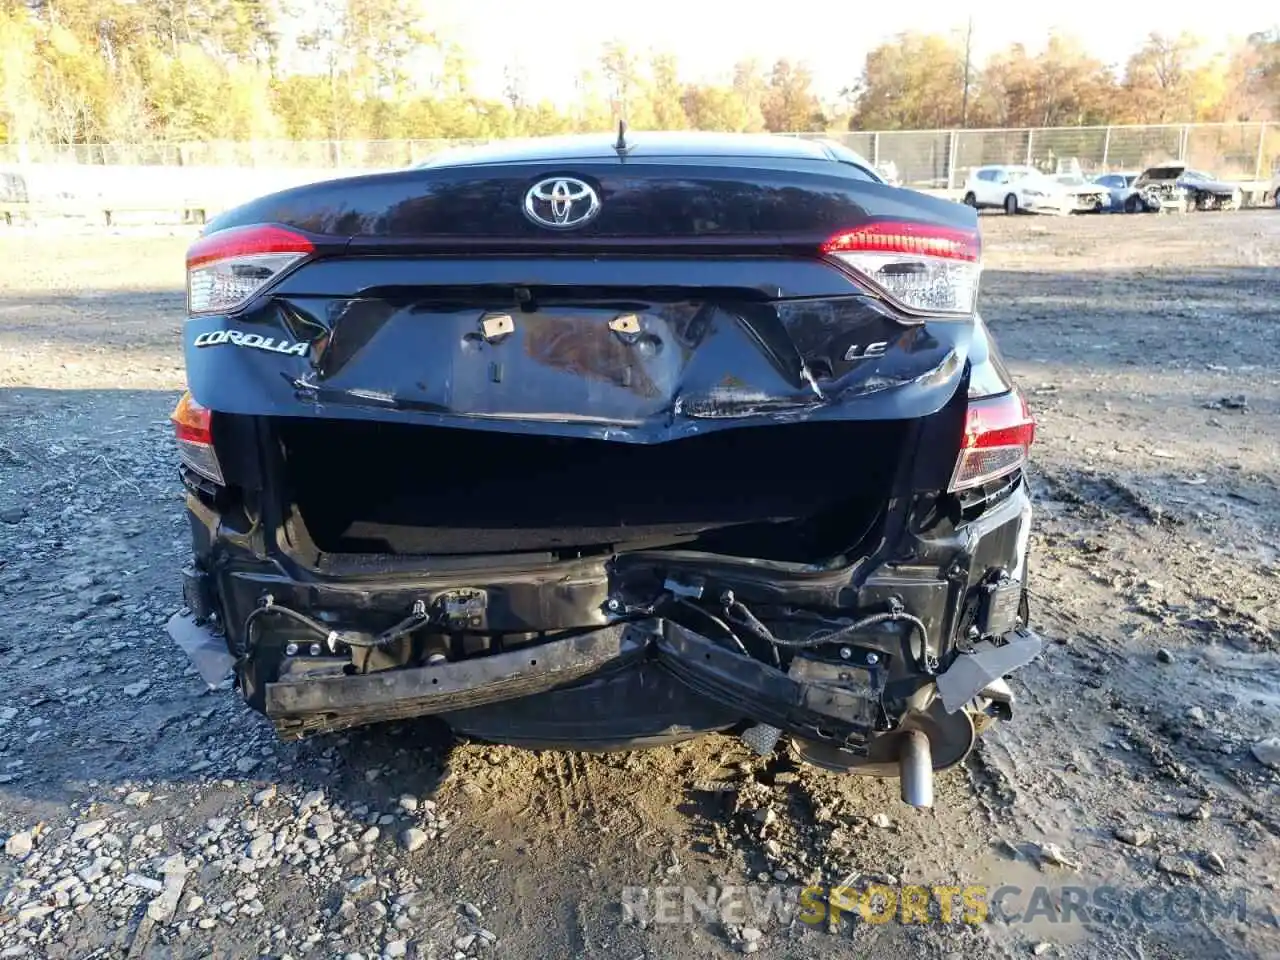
x,y
971,672
206,650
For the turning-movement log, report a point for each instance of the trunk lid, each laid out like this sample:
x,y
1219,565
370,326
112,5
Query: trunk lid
x,y
632,362
697,297
754,203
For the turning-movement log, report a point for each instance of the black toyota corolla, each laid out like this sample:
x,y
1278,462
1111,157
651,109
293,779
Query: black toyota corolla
x,y
606,441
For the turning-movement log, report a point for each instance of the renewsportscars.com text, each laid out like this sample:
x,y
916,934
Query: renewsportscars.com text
x,y
764,904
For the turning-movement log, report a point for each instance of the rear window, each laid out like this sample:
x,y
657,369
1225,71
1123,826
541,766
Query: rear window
x,y
861,172
856,163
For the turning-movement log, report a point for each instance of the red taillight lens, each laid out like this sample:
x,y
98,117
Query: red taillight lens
x,y
953,243
225,269
998,433
193,429
926,268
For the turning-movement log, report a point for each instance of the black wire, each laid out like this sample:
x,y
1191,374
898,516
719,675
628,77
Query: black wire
x,y
821,639
403,628
301,618
719,623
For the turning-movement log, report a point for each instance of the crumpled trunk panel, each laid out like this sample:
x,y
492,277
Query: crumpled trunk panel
x,y
631,363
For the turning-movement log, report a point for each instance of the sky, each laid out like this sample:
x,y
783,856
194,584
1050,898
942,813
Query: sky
x,y
553,41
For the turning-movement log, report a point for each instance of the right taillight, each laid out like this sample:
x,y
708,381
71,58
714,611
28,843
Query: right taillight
x,y
928,269
998,433
226,269
193,430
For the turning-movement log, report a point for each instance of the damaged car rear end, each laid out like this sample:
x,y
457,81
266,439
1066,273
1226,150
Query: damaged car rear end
x,y
599,445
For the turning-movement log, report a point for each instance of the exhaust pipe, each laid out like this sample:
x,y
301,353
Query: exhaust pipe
x,y
915,769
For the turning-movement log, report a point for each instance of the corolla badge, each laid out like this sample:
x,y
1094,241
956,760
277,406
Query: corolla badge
x,y
254,341
561,203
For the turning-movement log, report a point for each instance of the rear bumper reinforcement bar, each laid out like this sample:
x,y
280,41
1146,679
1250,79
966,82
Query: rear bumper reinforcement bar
x,y
760,691
316,704
302,704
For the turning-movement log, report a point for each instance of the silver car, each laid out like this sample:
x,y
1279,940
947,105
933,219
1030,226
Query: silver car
x,y
1120,186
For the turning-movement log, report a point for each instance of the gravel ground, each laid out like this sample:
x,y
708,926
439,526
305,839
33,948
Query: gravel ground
x,y
144,815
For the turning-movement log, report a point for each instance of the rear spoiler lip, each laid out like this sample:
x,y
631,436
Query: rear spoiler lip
x,y
445,243
356,276
803,244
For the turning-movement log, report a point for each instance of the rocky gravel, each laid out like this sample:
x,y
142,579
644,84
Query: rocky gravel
x,y
144,815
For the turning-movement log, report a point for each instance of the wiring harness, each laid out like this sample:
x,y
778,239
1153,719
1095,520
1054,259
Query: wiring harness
x,y
332,637
739,613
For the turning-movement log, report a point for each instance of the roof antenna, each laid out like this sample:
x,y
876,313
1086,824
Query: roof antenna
x,y
622,146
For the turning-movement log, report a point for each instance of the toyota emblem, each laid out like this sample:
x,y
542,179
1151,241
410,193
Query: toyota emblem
x,y
561,203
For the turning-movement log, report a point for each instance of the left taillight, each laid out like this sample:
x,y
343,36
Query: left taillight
x,y
998,433
193,431
928,269
225,269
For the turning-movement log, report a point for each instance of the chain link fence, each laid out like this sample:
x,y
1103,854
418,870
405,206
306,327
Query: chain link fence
x,y
942,159
212,174
936,158
278,154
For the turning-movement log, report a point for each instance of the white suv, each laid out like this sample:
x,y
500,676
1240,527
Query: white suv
x,y
996,186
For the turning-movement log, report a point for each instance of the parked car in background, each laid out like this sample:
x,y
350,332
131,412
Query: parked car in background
x,y
1064,194
1019,188
1120,188
997,186
1177,187
13,187
13,196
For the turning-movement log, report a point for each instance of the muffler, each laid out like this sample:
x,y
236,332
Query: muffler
x,y
915,769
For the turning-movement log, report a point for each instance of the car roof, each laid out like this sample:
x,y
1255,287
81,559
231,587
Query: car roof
x,y
646,144
1013,167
